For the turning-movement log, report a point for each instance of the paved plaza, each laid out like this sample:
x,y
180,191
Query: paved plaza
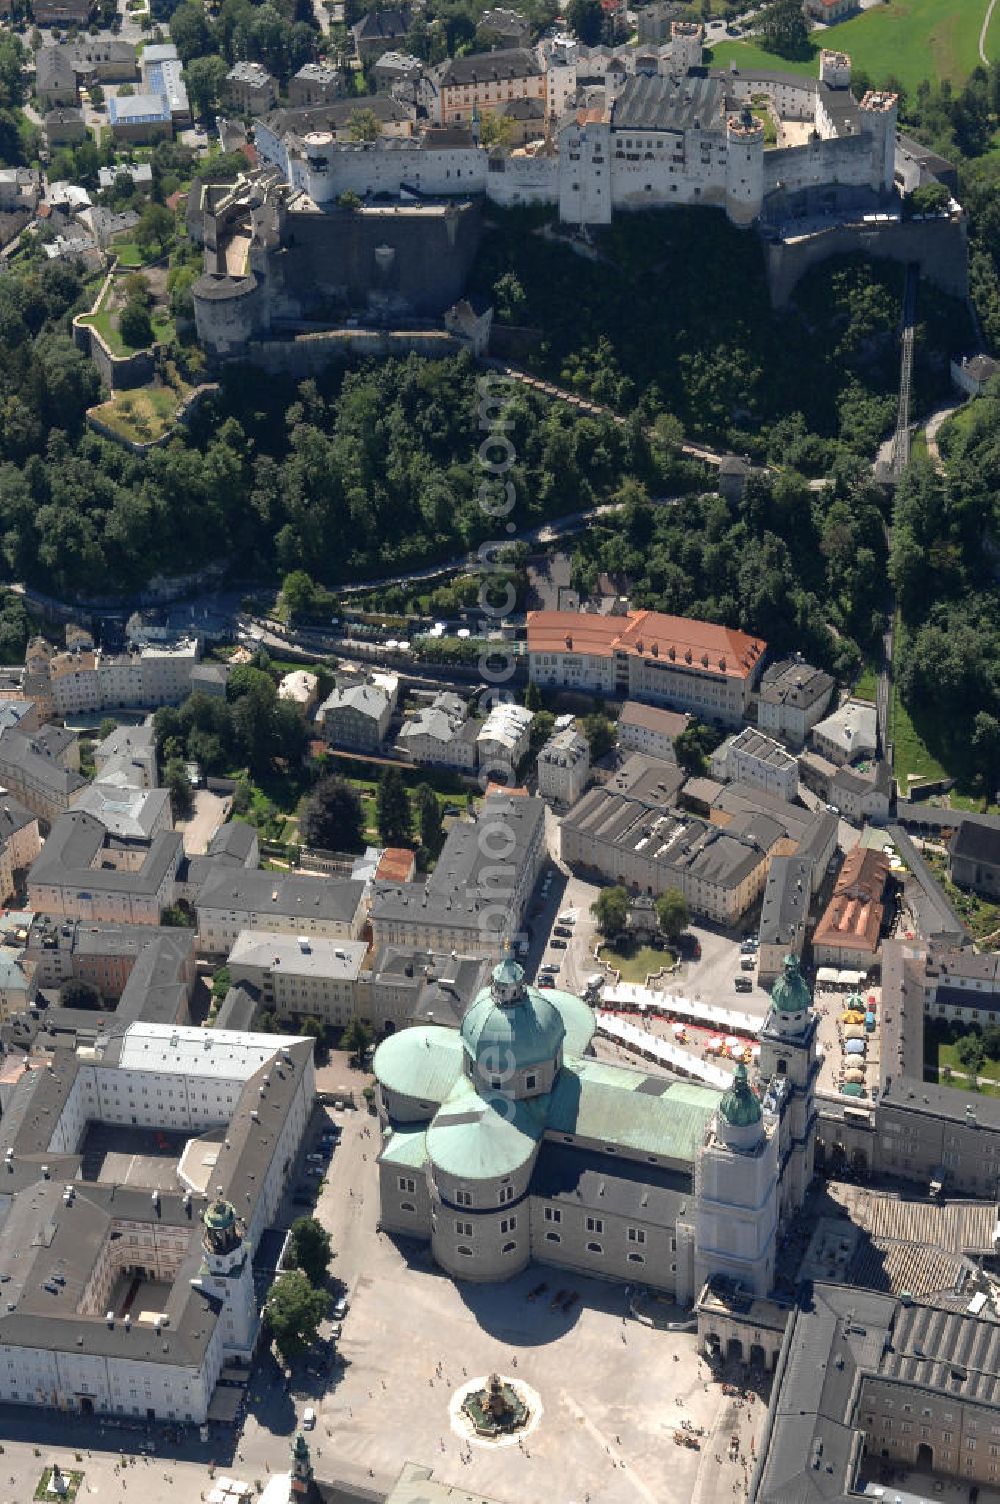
x,y
612,1392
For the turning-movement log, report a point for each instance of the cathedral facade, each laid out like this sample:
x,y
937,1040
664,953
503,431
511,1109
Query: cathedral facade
x,y
508,1141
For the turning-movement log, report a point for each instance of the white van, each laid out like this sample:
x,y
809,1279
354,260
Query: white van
x,y
308,1418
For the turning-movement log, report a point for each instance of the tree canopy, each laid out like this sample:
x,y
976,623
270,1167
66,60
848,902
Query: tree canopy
x,y
392,809
672,913
610,909
332,817
294,1311
310,1248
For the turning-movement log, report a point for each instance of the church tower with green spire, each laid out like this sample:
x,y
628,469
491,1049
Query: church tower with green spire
x,y
736,1200
789,1063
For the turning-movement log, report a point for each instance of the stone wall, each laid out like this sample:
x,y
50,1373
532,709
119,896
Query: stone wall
x,y
120,372
937,246
403,260
307,354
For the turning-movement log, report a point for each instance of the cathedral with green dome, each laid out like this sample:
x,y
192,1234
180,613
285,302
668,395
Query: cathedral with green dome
x,y
507,1140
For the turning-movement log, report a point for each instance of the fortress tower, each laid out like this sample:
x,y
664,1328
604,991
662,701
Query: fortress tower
x,y
685,46
744,168
834,69
227,1273
878,111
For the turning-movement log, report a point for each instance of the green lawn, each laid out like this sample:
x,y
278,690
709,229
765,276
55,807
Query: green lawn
x,y
910,755
106,323
971,802
908,40
635,962
941,1052
867,686
129,254
143,414
750,55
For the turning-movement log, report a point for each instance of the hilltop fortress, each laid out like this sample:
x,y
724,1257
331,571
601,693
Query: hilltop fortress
x,y
387,229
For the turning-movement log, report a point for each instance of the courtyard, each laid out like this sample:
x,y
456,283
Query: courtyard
x,y
612,1391
127,1155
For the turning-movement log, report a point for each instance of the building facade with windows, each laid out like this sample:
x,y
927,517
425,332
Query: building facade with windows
x,y
72,1245
696,666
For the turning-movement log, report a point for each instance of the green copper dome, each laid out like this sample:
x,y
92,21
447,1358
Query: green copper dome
x,y
790,993
511,1026
739,1106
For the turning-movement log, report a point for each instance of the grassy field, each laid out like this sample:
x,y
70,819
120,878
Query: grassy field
x,y
908,40
910,755
106,324
750,55
129,254
941,1053
867,686
635,962
142,415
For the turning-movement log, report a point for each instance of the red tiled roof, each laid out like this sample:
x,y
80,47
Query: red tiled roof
x,y
698,644
396,864
853,917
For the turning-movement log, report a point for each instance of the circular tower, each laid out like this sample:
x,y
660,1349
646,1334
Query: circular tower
x,y
744,167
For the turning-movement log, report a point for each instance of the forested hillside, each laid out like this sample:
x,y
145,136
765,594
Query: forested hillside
x,y
671,314
946,569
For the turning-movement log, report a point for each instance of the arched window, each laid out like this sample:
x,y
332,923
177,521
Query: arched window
x,y
407,1206
594,1248
509,1248
636,1258
552,1237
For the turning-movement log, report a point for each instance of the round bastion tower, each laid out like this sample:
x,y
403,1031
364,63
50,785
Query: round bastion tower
x,y
744,167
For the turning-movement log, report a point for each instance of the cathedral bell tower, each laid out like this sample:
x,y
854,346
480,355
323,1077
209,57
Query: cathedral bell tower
x,y
789,1065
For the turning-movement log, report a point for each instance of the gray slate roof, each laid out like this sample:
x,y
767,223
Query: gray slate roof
x,y
651,103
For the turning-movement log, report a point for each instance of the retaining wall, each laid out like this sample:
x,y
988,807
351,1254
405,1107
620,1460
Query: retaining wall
x,y
938,247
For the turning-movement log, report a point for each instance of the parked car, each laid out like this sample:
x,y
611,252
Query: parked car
x,y
308,1418
748,963
563,930
743,984
546,981
748,948
568,918
316,1159
558,944
341,1308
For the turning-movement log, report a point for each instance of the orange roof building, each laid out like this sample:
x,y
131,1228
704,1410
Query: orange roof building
x,y
850,930
397,864
697,666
